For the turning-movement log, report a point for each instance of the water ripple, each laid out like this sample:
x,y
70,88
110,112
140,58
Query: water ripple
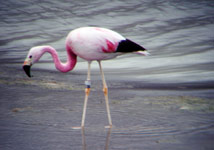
x,y
174,31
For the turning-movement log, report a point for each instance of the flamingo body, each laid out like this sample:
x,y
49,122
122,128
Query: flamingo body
x,y
92,43
89,43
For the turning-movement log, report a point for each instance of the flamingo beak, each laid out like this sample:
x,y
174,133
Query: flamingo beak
x,y
26,67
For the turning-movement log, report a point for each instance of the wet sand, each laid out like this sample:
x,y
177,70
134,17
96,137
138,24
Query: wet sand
x,y
39,112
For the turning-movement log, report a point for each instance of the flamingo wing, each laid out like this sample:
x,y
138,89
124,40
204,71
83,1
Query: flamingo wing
x,y
93,43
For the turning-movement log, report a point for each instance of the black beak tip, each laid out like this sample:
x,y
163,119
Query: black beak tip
x,y
27,70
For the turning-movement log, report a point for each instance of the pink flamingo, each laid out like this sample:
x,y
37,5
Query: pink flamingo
x,y
89,43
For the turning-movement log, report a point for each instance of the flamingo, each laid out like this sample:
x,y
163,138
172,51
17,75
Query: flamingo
x,y
90,44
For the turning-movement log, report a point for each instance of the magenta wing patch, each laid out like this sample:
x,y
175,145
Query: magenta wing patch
x,y
110,48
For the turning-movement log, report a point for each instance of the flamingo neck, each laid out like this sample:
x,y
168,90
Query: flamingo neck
x,y
63,67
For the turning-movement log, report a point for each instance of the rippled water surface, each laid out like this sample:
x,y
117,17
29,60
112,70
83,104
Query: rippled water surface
x,y
179,34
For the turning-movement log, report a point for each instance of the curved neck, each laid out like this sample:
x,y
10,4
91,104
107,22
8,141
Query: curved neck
x,y
63,67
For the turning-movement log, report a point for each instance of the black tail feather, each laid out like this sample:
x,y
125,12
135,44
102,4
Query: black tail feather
x,y
127,46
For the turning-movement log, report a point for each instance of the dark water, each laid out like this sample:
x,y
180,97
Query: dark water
x,y
179,34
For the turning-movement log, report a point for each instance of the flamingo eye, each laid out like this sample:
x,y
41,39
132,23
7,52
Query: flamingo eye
x,y
30,56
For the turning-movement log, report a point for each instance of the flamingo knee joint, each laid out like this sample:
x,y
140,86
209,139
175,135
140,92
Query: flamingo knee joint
x,y
105,90
87,91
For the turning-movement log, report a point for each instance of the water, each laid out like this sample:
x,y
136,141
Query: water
x,y
179,34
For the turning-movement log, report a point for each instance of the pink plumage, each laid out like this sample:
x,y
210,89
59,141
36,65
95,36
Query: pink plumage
x,y
92,43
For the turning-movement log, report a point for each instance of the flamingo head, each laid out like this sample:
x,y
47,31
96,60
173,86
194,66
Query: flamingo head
x,y
33,56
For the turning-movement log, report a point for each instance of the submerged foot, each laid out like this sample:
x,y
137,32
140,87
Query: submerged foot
x,y
108,127
77,128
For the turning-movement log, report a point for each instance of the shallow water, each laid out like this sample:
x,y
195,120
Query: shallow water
x,y
43,111
177,33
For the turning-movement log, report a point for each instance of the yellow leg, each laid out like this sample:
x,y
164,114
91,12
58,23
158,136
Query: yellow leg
x,y
105,91
87,92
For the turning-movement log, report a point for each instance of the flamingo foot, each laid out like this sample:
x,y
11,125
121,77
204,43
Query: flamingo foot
x,y
108,127
77,128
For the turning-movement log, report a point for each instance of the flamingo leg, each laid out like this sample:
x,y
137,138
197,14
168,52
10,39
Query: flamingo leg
x,y
105,90
87,91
